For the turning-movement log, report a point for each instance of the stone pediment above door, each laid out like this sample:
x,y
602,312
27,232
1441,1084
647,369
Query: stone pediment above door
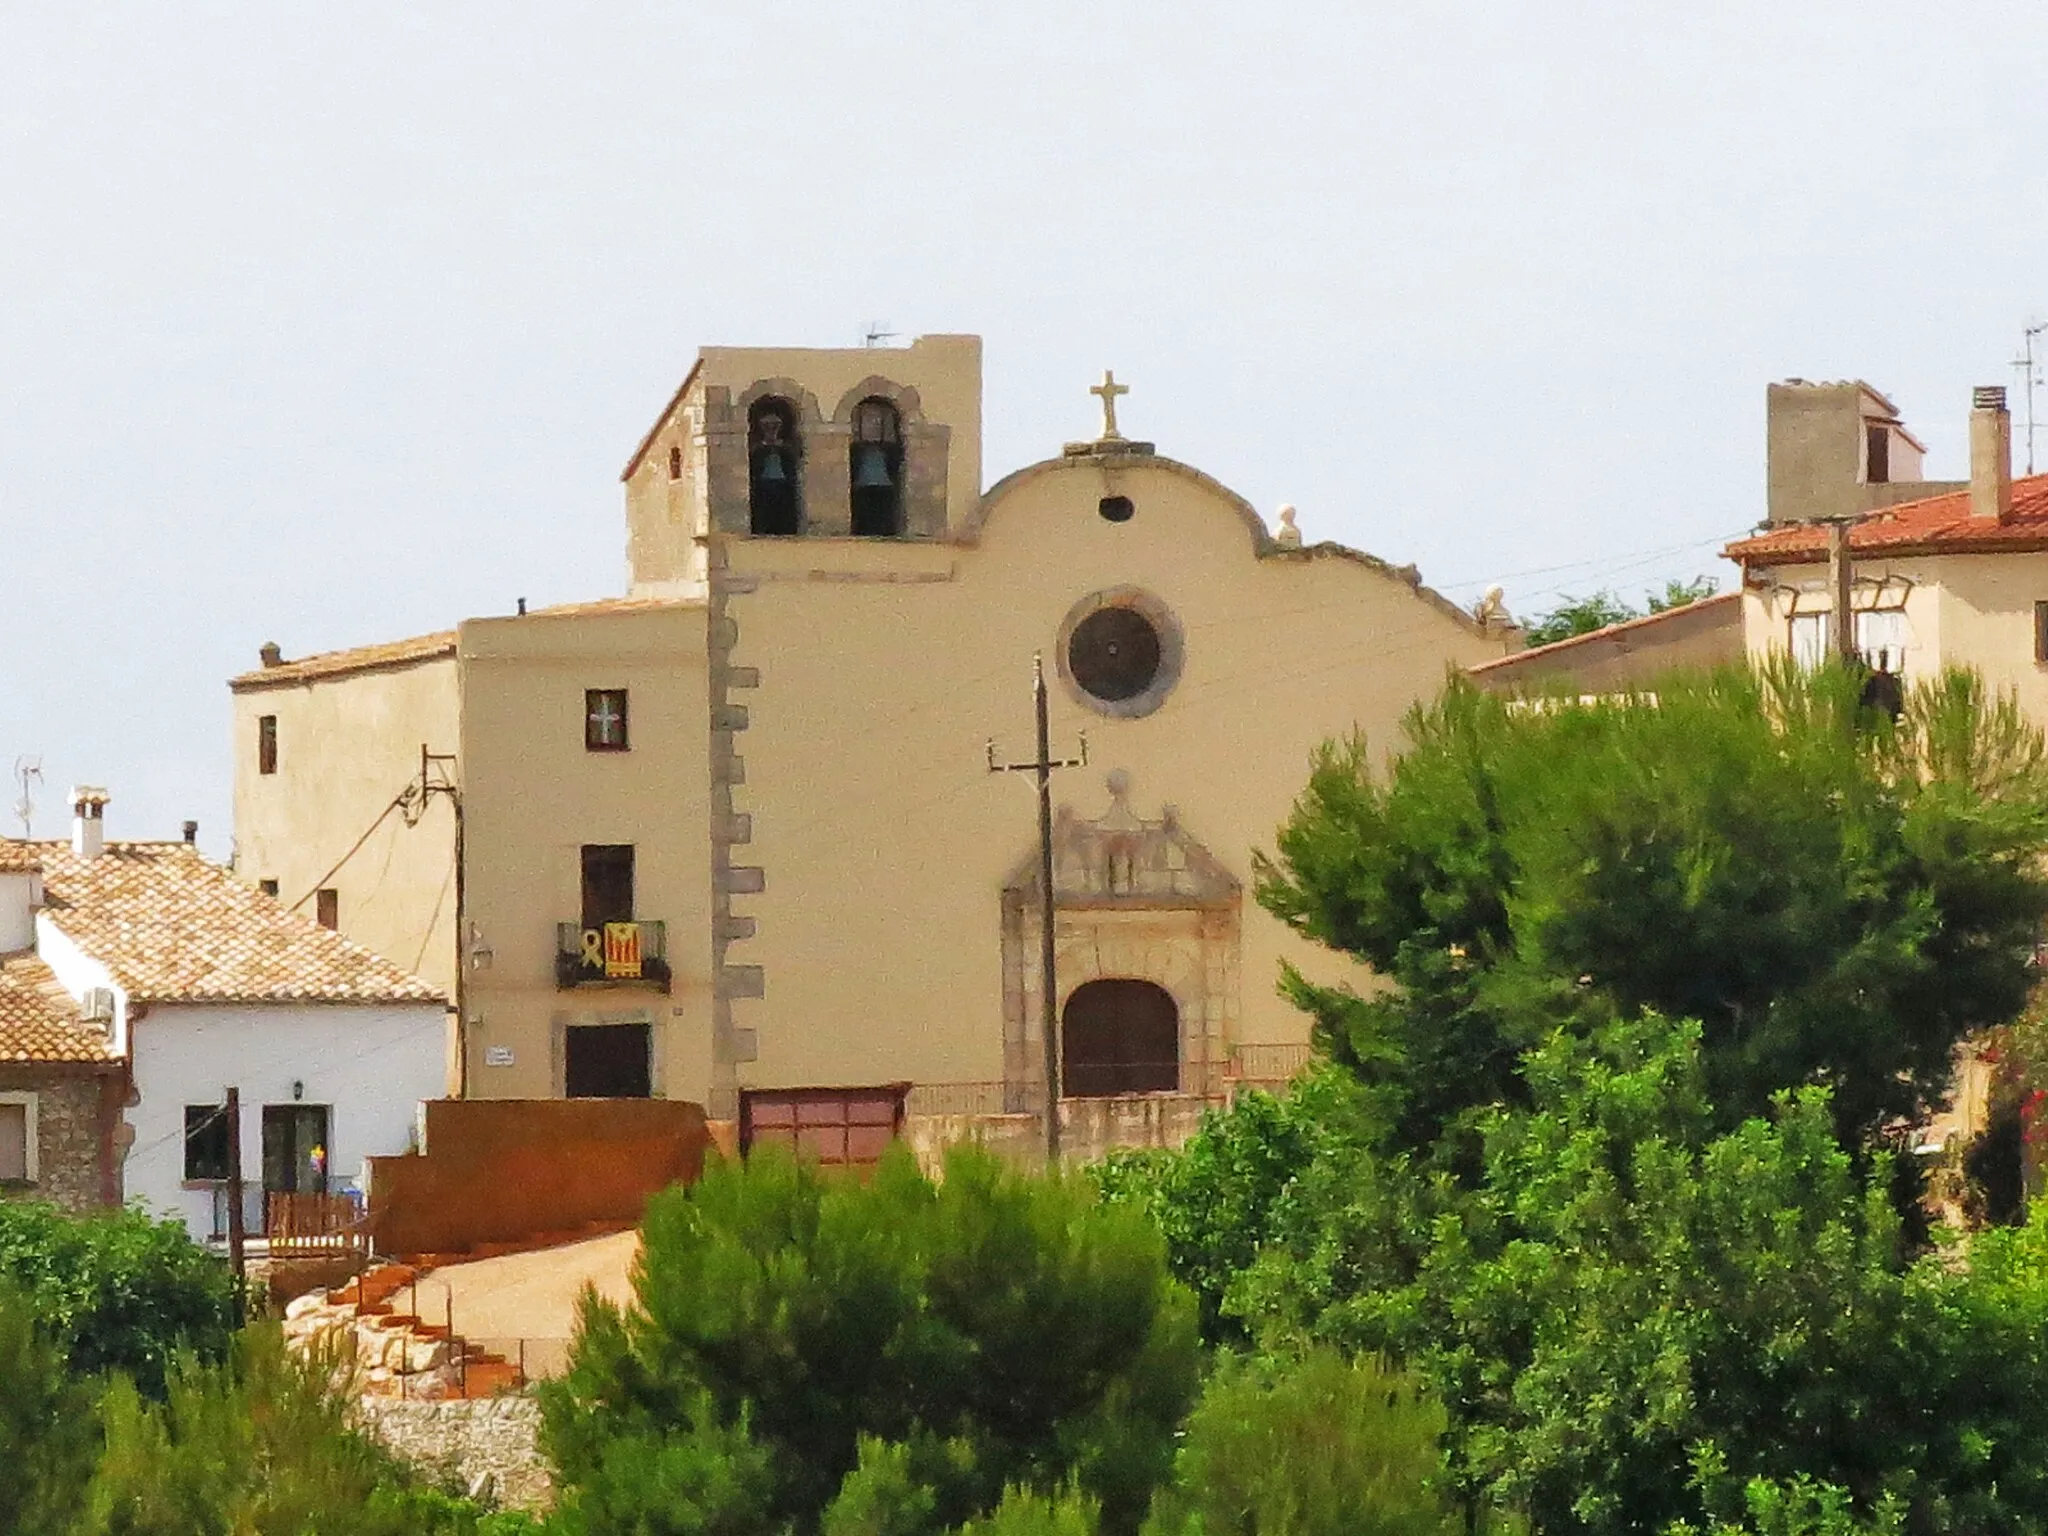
x,y
1120,859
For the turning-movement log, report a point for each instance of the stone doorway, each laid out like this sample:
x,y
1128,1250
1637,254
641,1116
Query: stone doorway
x,y
1119,1035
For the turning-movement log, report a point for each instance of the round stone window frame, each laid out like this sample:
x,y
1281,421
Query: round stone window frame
x,y
1172,651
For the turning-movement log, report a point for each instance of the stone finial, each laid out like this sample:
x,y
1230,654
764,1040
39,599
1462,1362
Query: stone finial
x,y
1289,536
272,654
1493,607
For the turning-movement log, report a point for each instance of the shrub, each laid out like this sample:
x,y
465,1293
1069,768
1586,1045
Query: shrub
x,y
117,1291
47,1436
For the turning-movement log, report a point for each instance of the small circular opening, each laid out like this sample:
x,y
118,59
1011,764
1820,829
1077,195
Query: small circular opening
x,y
1116,509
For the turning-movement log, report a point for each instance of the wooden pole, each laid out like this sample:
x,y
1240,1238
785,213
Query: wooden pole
x,y
1841,583
237,1238
1047,969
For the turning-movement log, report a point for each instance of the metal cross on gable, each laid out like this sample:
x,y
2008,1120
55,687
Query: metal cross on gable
x,y
1109,389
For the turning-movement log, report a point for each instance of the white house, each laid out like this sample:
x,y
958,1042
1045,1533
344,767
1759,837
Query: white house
x,y
202,983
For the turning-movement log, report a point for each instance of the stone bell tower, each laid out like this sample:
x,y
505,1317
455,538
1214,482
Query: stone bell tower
x,y
879,443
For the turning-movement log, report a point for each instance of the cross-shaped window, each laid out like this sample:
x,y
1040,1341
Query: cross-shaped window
x,y
604,719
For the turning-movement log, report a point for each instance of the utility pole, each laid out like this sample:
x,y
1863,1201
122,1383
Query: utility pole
x,y
237,1239
1043,765
1841,583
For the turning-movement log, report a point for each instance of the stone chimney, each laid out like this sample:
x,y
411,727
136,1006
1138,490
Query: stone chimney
x,y
1990,454
88,821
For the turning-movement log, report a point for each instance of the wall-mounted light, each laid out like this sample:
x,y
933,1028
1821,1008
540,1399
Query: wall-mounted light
x,y
298,1089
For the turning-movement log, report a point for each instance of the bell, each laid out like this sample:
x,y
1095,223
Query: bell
x,y
772,472
871,470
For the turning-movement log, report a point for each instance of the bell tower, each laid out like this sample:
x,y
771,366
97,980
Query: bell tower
x,y
868,443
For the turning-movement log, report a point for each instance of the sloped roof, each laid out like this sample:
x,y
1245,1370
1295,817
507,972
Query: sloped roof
x,y
173,928
1642,630
39,1021
361,658
1936,525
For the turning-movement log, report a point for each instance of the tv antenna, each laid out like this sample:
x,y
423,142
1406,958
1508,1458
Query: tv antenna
x,y
2030,375
27,771
877,332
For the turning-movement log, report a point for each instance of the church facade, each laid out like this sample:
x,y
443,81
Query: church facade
x,y
735,836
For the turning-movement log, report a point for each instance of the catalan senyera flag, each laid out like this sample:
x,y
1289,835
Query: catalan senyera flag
x,y
622,949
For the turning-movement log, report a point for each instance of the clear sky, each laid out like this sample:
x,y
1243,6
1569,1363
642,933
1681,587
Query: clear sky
x,y
326,325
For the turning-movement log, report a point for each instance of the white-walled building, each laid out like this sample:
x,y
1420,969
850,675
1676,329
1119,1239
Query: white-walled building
x,y
197,983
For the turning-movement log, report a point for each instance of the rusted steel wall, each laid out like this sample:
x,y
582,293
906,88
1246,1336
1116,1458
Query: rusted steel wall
x,y
503,1170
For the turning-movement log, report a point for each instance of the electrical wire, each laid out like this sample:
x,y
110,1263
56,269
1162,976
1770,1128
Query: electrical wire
x,y
318,885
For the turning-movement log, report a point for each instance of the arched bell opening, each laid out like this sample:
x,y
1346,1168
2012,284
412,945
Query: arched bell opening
x,y
1119,1035
774,469
876,469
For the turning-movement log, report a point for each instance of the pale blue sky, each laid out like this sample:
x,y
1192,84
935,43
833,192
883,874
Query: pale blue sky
x,y
334,326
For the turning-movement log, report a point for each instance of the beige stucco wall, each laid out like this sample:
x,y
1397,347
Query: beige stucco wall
x,y
884,842
1631,655
535,795
347,745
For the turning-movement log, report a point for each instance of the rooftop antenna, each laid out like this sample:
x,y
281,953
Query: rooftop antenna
x,y
27,771
2029,377
877,332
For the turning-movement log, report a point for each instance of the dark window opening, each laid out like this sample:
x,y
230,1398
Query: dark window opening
x,y
606,1061
607,884
1877,454
206,1141
877,470
774,466
1116,509
839,1127
327,907
266,744
14,1148
1119,1036
2041,633
675,463
295,1149
604,719
267,887
1114,654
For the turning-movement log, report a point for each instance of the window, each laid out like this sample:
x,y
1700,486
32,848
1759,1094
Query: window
x,y
206,1142
1115,509
17,1138
1809,640
1119,1036
675,463
607,884
267,887
327,907
774,465
1881,639
1114,654
604,719
877,470
1877,454
2041,633
266,743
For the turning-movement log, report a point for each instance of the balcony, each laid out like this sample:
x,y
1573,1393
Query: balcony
x,y
614,955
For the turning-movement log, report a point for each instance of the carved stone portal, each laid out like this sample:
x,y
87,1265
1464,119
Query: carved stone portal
x,y
1132,898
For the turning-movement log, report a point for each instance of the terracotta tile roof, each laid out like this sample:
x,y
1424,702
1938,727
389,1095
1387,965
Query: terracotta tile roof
x,y
39,1021
1938,525
1639,628
173,928
361,658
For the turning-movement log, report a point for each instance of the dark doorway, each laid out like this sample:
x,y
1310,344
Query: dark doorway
x,y
606,1061
1119,1036
607,884
295,1149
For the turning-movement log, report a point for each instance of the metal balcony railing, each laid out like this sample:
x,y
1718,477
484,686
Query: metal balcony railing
x,y
615,954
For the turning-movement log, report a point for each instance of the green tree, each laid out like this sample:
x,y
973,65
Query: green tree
x,y
1837,898
1579,616
1321,1446
116,1290
1003,1329
48,1437
1680,594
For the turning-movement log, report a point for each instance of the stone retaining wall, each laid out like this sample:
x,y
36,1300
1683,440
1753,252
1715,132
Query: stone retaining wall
x,y
494,1437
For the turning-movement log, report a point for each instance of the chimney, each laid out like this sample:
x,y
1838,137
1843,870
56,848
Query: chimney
x,y
272,654
191,834
88,821
1990,454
